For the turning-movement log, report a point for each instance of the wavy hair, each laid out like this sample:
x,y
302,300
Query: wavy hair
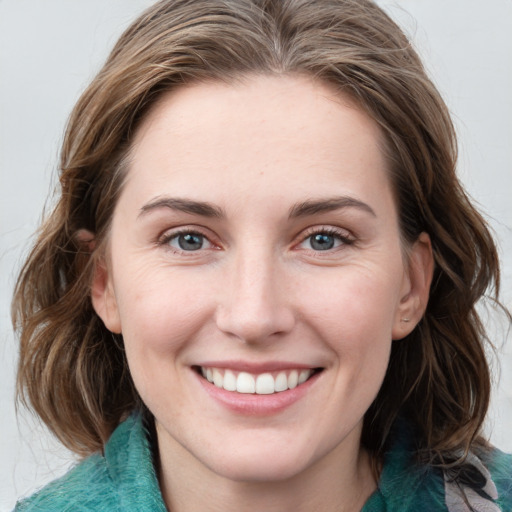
x,y
73,371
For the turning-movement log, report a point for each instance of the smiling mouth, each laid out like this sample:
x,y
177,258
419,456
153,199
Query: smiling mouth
x,y
267,383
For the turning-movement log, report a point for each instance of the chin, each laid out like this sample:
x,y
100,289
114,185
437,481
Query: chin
x,y
259,469
264,458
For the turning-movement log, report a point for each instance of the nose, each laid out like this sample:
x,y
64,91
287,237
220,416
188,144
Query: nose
x,y
255,306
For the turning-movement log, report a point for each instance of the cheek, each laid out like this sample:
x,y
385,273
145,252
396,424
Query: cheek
x,y
355,319
158,305
354,304
161,312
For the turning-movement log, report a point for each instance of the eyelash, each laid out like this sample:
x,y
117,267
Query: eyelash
x,y
338,234
166,238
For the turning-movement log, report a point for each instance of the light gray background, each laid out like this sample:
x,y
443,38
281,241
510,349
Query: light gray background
x,y
50,50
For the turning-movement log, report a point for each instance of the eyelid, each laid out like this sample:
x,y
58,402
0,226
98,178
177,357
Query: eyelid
x,y
166,236
344,235
163,239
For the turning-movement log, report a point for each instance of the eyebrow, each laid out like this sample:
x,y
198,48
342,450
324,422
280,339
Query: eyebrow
x,y
315,206
201,208
302,209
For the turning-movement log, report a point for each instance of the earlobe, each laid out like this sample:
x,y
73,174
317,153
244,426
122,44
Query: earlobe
x,y
414,299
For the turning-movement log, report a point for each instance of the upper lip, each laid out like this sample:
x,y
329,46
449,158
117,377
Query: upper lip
x,y
257,367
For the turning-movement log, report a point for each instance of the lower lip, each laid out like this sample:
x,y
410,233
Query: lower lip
x,y
254,404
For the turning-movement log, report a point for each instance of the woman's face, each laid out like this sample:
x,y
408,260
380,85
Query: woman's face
x,y
256,244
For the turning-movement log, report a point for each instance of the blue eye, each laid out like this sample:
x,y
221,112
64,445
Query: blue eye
x,y
325,240
322,241
188,241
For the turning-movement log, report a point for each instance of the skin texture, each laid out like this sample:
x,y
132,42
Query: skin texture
x,y
258,291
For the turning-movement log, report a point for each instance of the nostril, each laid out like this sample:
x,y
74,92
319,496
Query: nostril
x,y
254,326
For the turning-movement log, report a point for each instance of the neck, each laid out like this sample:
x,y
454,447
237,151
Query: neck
x,y
338,482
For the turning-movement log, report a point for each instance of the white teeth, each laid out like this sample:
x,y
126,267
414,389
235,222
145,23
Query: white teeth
x,y
304,376
217,378
245,383
265,384
229,381
281,383
262,384
293,379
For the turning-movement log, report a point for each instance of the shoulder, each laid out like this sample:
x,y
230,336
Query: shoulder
x,y
87,486
499,465
485,481
121,479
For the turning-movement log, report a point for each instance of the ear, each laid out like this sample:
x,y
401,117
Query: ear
x,y
102,292
416,287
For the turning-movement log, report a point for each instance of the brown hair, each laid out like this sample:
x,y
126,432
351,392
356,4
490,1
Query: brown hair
x,y
73,371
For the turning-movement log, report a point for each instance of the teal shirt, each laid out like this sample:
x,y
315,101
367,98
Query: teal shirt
x,y
121,480
124,480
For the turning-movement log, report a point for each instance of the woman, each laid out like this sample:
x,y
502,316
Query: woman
x,y
258,288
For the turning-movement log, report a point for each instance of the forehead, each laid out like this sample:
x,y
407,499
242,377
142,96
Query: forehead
x,y
288,132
